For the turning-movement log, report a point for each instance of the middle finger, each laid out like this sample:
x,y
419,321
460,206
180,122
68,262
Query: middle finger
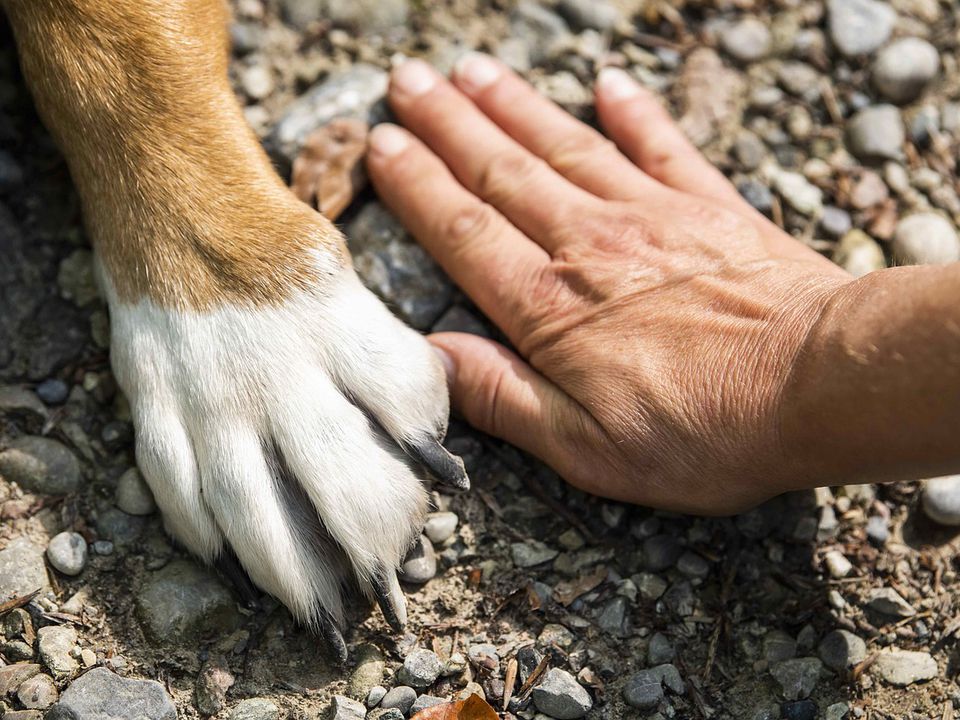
x,y
486,160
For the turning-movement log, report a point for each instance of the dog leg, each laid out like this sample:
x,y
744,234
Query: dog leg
x,y
282,413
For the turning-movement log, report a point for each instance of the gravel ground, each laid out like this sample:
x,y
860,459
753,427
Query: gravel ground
x,y
840,120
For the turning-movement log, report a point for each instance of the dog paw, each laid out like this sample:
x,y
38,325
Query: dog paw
x,y
291,436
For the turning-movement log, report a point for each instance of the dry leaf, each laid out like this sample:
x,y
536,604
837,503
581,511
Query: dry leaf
x,y
328,173
568,591
473,708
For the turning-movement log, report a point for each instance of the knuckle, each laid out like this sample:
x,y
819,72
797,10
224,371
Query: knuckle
x,y
575,150
505,173
470,222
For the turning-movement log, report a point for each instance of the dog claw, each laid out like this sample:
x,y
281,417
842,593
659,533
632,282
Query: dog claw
x,y
443,465
231,569
386,588
331,637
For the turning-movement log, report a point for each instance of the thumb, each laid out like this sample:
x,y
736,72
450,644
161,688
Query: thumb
x,y
500,394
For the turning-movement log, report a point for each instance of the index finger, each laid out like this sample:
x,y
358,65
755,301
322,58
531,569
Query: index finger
x,y
485,255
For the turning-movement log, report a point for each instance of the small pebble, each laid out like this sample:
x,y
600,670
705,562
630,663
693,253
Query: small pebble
x,y
133,496
52,391
876,133
255,709
837,564
903,69
103,547
375,696
834,221
67,552
888,601
425,701
420,564
746,40
941,500
902,667
878,531
38,693
756,194
841,650
797,677
858,27
859,254
531,553
660,650
925,238
420,669
799,710
661,552
560,696
401,697
344,708
440,526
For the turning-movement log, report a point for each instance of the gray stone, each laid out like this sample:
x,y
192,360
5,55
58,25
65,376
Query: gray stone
x,y
396,268
485,655
670,678
401,697
590,14
355,93
19,405
778,646
903,69
798,192
133,496
531,553
747,40
255,709
680,598
421,668
344,708
542,31
876,133
799,710
440,526
799,79
643,690
756,194
858,27
385,714
67,552
366,16
375,695
889,602
560,696
121,528
797,677
22,569
941,500
101,695
903,667
425,701
37,693
749,150
837,711
613,619
183,600
40,465
878,530
213,682
52,391
693,565
11,174
257,81
57,645
841,650
420,565
859,254
925,238
661,552
660,649
835,221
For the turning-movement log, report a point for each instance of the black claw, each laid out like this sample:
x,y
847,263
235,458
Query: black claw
x,y
382,591
444,466
231,569
331,636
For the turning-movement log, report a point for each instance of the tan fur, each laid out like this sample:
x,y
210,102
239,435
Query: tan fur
x,y
180,201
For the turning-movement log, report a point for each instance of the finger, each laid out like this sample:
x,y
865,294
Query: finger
x,y
501,395
646,133
487,162
576,151
483,253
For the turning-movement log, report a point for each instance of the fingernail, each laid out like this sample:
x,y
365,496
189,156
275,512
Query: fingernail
x,y
449,367
615,84
388,140
476,71
414,77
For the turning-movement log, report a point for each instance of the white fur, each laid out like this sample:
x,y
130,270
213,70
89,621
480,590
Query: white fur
x,y
210,391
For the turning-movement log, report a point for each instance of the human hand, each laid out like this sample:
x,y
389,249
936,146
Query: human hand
x,y
657,316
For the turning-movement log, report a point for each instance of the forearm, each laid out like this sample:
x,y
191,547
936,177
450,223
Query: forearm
x,y
875,396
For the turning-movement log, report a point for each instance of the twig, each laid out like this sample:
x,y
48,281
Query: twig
x,y
18,602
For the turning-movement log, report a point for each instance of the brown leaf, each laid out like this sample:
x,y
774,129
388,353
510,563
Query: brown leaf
x,y
569,590
473,708
328,173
